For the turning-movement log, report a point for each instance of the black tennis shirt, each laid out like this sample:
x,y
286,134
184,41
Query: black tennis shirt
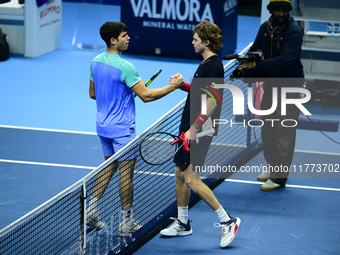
x,y
210,70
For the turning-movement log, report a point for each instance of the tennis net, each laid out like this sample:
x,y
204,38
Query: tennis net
x,y
59,225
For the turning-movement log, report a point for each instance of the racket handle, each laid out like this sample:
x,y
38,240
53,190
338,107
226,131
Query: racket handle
x,y
210,131
152,78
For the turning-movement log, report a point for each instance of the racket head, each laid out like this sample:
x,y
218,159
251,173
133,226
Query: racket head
x,y
156,148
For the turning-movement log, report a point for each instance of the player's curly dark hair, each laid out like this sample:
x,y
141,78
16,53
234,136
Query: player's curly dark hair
x,y
111,29
207,30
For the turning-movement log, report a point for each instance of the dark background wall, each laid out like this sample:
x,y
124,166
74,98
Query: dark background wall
x,y
245,7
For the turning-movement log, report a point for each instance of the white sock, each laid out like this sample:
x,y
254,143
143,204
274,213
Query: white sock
x,y
183,214
127,215
93,204
222,215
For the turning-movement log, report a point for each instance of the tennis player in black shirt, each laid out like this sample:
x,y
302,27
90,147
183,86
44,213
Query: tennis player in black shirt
x,y
207,40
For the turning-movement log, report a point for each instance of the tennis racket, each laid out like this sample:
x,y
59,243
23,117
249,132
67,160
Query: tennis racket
x,y
156,148
152,78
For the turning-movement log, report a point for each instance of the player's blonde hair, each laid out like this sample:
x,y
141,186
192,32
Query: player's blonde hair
x,y
206,30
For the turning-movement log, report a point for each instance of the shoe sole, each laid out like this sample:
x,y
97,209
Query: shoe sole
x,y
124,235
95,227
273,188
182,233
128,233
263,177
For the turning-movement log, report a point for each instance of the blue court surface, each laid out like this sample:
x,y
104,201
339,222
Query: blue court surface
x,y
48,142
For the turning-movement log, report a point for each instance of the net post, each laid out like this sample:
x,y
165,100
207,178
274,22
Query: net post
x,y
82,225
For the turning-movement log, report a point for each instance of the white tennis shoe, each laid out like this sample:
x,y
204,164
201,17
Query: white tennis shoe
x,y
93,221
178,228
269,185
264,176
128,227
229,230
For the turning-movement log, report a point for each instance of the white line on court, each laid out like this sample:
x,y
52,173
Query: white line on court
x,y
153,173
93,133
287,185
319,152
230,145
45,164
162,174
49,130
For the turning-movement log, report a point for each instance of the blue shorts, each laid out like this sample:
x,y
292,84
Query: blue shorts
x,y
111,146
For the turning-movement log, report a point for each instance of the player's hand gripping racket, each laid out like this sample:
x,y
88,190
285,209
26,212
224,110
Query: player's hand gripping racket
x,y
156,148
152,78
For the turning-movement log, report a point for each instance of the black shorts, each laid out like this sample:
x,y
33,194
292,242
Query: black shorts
x,y
198,152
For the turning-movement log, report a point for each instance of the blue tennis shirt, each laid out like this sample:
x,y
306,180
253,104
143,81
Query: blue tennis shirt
x,y
113,77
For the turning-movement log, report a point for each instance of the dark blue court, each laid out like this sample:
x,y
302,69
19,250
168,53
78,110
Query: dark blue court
x,y
303,218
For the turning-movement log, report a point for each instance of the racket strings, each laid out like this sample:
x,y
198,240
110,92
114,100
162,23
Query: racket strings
x,y
156,148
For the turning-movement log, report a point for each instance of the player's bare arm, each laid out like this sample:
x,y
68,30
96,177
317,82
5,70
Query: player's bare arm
x,y
148,95
92,91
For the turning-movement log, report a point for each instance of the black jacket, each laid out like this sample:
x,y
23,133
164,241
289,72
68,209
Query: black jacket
x,y
287,63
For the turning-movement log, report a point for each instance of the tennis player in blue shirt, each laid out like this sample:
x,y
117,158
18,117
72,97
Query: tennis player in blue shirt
x,y
113,83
